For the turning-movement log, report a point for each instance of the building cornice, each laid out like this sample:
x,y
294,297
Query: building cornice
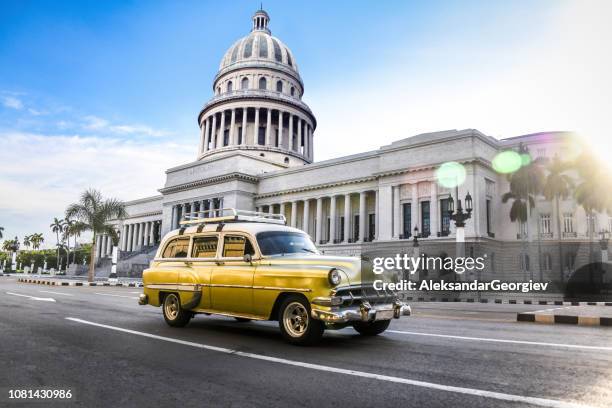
x,y
316,187
209,181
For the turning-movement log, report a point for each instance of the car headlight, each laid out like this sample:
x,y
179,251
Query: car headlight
x,y
334,277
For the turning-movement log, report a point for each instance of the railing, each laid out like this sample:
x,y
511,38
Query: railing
x,y
231,215
546,235
569,234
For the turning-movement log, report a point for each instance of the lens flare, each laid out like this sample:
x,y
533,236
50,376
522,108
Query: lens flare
x,y
450,174
508,161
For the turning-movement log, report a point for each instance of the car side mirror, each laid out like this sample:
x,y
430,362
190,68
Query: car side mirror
x,y
248,258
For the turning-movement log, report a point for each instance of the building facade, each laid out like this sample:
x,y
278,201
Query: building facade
x,y
256,153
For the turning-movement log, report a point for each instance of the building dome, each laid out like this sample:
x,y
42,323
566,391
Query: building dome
x,y
257,107
259,48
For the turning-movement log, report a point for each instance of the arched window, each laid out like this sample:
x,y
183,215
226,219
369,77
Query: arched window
x,y
292,91
279,86
245,83
230,86
263,83
286,160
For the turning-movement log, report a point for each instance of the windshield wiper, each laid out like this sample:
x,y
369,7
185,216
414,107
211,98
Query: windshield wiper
x,y
308,250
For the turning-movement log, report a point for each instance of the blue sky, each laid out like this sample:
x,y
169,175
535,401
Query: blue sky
x,y
88,87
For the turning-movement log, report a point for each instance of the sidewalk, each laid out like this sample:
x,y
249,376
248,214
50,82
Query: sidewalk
x,y
581,315
66,282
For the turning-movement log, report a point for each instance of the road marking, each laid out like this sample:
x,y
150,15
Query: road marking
x,y
136,292
32,297
108,294
469,391
57,293
549,310
531,343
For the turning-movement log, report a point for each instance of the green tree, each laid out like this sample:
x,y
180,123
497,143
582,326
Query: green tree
x,y
26,241
57,226
1,232
36,239
93,214
558,185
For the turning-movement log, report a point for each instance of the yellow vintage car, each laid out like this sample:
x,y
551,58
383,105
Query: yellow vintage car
x,y
251,266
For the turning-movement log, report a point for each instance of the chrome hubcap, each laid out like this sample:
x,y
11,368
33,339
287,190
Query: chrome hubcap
x,y
295,319
171,307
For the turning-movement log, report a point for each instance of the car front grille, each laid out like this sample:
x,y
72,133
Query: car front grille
x,y
354,295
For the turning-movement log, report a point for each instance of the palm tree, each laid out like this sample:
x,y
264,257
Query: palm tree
x,y
26,241
93,213
557,186
67,232
57,226
1,230
525,184
7,245
74,229
37,239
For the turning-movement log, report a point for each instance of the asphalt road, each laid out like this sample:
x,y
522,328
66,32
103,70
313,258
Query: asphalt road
x,y
97,342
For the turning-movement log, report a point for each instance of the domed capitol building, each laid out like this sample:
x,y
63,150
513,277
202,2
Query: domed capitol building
x,y
256,153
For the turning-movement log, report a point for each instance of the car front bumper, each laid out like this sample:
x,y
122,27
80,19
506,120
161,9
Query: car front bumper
x,y
364,312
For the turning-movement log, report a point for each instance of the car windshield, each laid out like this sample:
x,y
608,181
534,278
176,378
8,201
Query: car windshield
x,y
285,242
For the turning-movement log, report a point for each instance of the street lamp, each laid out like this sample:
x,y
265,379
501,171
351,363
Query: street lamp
x,y
460,217
603,242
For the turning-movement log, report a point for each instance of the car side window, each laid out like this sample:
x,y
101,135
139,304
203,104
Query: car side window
x,y
205,247
177,248
235,246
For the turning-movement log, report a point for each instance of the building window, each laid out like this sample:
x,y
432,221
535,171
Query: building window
x,y
545,223
263,46
546,262
286,160
230,86
569,261
356,228
444,217
226,137
245,83
263,84
279,86
277,51
489,217
341,234
261,136
371,227
292,91
591,224
568,222
524,262
425,219
407,219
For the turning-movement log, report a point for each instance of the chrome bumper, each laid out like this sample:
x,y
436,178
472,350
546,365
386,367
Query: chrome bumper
x,y
364,312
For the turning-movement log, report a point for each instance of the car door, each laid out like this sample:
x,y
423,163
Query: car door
x,y
203,257
232,277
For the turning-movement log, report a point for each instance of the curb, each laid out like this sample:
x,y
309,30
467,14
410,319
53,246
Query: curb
x,y
58,283
564,319
510,301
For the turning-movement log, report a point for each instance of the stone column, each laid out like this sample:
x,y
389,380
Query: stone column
x,y
146,234
213,132
306,216
184,212
270,208
434,214
245,112
206,129
299,135
232,133
221,130
98,246
384,212
132,237
319,221
294,214
109,246
280,128
282,208
269,127
377,215
128,238
211,207
256,127
102,245
123,237
414,213
290,144
141,231
332,219
362,216
306,141
310,144
396,211
347,217
175,213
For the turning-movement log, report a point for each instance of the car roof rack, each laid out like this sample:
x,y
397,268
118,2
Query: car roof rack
x,y
226,215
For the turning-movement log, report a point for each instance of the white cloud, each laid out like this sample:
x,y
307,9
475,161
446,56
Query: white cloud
x,y
12,102
41,175
99,124
95,123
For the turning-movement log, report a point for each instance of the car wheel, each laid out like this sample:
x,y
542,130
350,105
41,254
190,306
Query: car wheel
x,y
371,328
296,324
242,319
174,314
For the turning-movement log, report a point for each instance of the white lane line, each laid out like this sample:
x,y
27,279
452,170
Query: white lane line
x,y
469,391
32,297
531,343
57,293
109,294
549,310
136,292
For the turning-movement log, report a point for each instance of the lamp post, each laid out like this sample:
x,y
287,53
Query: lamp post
x,y
415,247
603,242
460,216
14,249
